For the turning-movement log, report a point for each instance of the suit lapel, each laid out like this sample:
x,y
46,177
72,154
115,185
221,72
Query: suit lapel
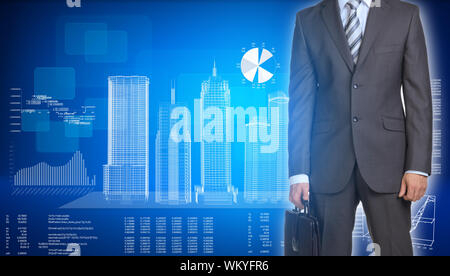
x,y
375,22
332,19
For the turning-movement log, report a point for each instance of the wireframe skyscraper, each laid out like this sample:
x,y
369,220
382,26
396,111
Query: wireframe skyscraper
x,y
173,160
126,174
217,188
280,187
260,169
266,174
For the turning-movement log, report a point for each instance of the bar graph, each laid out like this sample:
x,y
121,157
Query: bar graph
x,y
74,173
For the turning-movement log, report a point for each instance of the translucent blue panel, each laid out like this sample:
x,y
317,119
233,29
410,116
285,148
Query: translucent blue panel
x,y
75,37
56,82
78,130
96,42
35,120
55,140
117,51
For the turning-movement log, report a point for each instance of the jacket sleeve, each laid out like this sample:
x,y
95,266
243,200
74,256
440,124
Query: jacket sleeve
x,y
302,90
418,101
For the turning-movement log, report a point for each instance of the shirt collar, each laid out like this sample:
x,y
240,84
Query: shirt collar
x,y
342,3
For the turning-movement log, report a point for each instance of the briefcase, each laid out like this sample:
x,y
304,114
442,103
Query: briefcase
x,y
301,233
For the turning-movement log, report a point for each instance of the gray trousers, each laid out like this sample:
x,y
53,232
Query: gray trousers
x,y
388,219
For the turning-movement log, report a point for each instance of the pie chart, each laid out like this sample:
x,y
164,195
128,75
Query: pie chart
x,y
252,65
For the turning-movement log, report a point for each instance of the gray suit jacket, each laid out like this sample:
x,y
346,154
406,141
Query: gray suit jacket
x,y
341,113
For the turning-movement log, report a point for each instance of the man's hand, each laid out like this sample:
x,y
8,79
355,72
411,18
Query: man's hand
x,y
298,192
414,187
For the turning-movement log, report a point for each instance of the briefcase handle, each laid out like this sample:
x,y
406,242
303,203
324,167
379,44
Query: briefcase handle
x,y
307,209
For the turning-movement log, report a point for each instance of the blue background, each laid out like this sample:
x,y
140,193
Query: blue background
x,y
164,40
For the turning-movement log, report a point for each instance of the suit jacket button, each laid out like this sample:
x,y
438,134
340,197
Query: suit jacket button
x,y
355,86
355,119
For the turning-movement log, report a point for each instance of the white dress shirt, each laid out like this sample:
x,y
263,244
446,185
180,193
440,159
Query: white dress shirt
x,y
363,14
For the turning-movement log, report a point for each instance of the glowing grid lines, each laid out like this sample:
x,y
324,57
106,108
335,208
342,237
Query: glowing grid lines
x,y
126,174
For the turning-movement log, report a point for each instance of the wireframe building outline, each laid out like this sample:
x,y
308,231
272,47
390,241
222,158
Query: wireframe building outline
x,y
266,174
423,223
280,185
126,176
216,188
259,170
172,160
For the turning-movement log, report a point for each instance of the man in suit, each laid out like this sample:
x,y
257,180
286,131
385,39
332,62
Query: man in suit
x,y
350,140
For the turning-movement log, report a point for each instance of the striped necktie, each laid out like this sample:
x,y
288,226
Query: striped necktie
x,y
353,29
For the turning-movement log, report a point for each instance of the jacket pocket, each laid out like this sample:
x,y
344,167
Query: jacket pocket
x,y
394,124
